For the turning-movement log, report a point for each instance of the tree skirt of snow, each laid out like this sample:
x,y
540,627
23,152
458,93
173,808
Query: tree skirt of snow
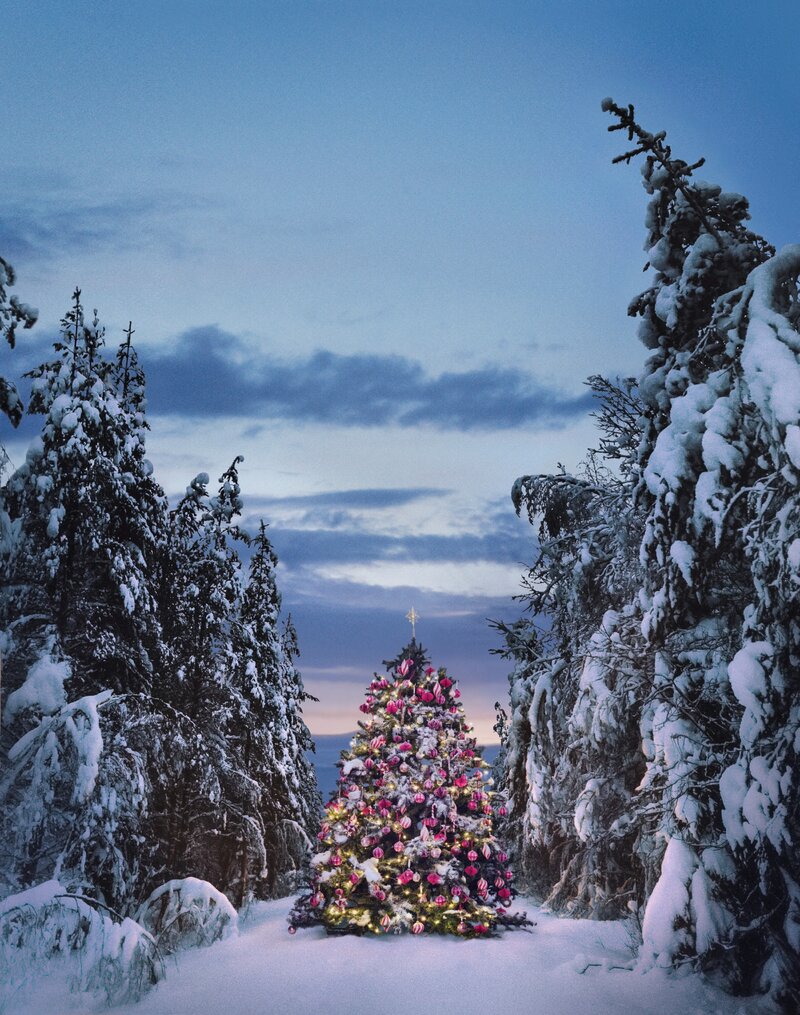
x,y
562,967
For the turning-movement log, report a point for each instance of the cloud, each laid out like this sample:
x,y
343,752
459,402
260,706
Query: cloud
x,y
298,547
48,226
369,498
210,372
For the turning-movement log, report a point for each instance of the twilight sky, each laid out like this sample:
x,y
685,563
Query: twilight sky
x,y
376,248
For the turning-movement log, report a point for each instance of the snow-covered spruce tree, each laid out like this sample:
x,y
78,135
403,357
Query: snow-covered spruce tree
x,y
719,469
269,736
572,753
83,520
199,597
408,839
13,313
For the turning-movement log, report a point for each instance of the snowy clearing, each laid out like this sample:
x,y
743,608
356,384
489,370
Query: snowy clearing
x,y
265,970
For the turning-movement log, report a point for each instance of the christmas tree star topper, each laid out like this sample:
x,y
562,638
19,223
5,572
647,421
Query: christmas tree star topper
x,y
413,616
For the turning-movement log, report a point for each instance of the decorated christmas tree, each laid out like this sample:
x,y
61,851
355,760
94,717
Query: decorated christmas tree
x,y
406,842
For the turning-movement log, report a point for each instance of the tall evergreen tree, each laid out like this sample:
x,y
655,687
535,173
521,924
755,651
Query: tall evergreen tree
x,y
89,519
573,758
699,642
271,738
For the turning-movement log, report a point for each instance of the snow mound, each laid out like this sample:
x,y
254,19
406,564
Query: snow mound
x,y
187,913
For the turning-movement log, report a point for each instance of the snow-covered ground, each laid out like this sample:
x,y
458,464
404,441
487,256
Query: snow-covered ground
x,y
562,967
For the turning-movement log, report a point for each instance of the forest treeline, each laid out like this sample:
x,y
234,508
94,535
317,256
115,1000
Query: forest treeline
x,y
151,701
651,752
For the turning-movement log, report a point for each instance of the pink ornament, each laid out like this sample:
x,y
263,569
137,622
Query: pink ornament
x,y
462,928
405,821
366,841
440,900
419,798
472,805
336,861
433,753
377,853
472,855
502,811
471,871
369,763
418,928
429,671
436,853
487,852
405,746
392,707
499,882
483,886
405,877
405,667
502,857
354,878
292,929
461,781
430,822
504,893
433,878
385,921
380,895
446,682
398,847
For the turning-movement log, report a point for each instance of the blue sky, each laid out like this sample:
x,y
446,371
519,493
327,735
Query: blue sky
x,y
376,248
